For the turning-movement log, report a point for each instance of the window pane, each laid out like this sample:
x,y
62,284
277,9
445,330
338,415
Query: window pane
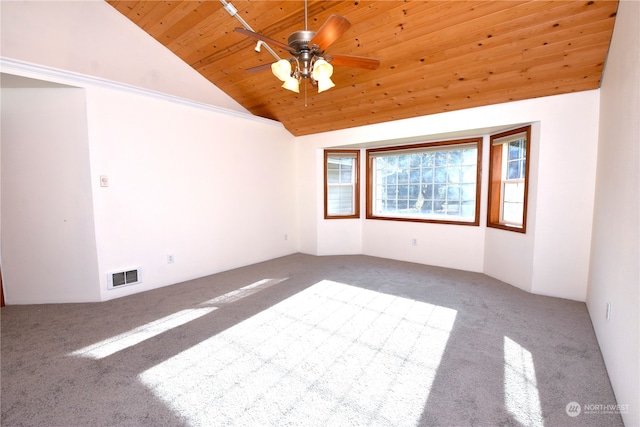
x,y
345,174
469,157
333,175
453,192
392,191
428,159
427,174
508,180
440,191
431,185
516,159
403,191
513,212
391,179
513,170
514,192
441,175
427,207
414,191
340,200
515,150
468,208
469,174
427,191
453,177
340,183
451,208
454,158
468,192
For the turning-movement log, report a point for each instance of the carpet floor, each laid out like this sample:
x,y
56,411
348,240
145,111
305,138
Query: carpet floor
x,y
308,341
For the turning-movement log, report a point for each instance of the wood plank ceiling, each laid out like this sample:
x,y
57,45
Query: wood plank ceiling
x,y
436,56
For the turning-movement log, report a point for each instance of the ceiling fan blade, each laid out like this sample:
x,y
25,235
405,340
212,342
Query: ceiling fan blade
x,y
355,61
263,38
259,68
333,28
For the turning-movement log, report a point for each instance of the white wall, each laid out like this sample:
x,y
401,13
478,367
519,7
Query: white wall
x,y
90,37
48,241
615,254
215,191
563,159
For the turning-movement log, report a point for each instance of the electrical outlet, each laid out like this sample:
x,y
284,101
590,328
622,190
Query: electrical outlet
x,y
414,241
170,259
286,237
608,315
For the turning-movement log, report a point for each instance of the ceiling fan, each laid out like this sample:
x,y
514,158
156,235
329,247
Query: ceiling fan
x,y
309,60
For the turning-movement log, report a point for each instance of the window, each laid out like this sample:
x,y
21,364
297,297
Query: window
x,y
341,188
508,175
431,182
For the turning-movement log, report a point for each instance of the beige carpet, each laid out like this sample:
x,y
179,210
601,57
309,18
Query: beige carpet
x,y
308,341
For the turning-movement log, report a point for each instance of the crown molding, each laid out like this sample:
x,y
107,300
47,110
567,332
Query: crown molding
x,y
70,78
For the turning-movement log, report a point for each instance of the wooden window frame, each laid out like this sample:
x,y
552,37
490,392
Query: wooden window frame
x,y
356,191
496,182
417,147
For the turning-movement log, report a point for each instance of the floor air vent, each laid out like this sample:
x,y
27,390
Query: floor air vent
x,y
124,278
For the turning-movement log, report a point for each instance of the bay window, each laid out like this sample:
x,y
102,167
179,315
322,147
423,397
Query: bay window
x,y
430,182
508,175
341,184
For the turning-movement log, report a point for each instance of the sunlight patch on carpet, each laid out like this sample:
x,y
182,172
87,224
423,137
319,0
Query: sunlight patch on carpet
x,y
520,387
333,354
244,291
135,336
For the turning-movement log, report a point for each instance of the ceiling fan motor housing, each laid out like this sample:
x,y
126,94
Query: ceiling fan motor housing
x,y
299,41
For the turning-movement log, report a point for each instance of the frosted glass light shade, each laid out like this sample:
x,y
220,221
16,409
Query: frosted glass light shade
x,y
292,84
325,84
281,69
321,70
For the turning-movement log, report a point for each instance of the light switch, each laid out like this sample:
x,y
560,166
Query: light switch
x,y
104,181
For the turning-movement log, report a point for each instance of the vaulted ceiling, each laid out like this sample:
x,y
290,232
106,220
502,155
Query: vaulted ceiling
x,y
435,56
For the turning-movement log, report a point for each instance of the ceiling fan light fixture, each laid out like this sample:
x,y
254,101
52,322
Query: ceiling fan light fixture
x,y
325,84
291,84
307,49
282,70
322,70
